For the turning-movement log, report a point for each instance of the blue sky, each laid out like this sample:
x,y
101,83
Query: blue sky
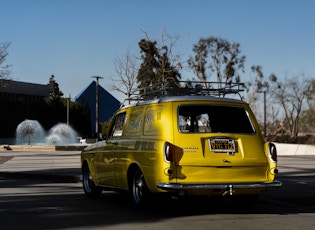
x,y
76,39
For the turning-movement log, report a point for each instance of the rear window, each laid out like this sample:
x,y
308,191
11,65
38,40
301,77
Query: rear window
x,y
214,119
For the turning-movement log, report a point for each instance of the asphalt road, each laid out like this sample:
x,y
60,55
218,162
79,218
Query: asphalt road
x,y
28,203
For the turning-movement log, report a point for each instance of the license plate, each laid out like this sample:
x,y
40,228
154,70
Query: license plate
x,y
222,145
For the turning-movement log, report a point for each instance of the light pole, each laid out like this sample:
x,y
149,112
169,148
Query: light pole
x,y
96,106
68,105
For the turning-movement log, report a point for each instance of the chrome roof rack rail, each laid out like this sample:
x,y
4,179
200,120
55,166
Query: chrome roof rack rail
x,y
185,88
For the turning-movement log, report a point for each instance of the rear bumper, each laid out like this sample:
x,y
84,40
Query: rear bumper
x,y
177,186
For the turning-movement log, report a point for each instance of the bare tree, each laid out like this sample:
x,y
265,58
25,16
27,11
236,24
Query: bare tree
x,y
4,69
292,94
307,121
125,78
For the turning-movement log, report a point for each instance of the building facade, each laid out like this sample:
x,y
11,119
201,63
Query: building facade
x,y
107,104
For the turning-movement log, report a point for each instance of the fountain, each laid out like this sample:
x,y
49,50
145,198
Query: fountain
x,y
31,132
61,134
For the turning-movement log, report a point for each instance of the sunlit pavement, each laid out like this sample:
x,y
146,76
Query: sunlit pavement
x,y
63,166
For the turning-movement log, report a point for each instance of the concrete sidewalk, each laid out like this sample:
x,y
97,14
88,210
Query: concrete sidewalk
x,y
61,166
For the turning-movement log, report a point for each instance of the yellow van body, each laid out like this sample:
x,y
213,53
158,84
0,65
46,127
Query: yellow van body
x,y
184,145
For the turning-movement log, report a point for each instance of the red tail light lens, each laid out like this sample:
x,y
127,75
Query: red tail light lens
x,y
273,152
168,152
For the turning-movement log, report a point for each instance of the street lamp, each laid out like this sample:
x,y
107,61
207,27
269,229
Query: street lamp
x,y
96,106
68,105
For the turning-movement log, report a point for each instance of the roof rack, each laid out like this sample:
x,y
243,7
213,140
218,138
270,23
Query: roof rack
x,y
186,88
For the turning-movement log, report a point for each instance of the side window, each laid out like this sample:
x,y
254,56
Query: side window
x,y
153,120
135,122
117,127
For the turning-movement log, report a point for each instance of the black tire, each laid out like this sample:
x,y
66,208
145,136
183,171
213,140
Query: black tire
x,y
138,190
90,189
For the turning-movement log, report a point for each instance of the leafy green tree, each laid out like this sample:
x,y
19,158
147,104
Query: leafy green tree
x,y
54,93
156,67
218,57
147,74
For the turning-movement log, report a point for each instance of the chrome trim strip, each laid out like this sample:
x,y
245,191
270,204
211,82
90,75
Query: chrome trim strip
x,y
177,186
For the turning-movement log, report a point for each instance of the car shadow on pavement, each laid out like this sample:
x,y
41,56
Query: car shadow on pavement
x,y
38,203
71,175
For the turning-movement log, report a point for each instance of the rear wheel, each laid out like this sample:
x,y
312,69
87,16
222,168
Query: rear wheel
x,y
139,191
89,187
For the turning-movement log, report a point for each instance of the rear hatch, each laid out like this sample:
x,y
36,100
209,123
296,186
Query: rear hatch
x,y
221,143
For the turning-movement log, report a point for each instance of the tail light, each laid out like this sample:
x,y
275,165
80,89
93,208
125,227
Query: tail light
x,y
169,152
273,152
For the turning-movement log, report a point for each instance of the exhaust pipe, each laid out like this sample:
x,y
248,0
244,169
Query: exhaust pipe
x,y
228,190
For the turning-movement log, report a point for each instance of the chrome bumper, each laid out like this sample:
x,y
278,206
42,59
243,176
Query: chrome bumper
x,y
177,186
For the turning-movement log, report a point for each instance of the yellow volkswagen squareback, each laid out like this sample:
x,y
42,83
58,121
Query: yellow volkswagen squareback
x,y
182,145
